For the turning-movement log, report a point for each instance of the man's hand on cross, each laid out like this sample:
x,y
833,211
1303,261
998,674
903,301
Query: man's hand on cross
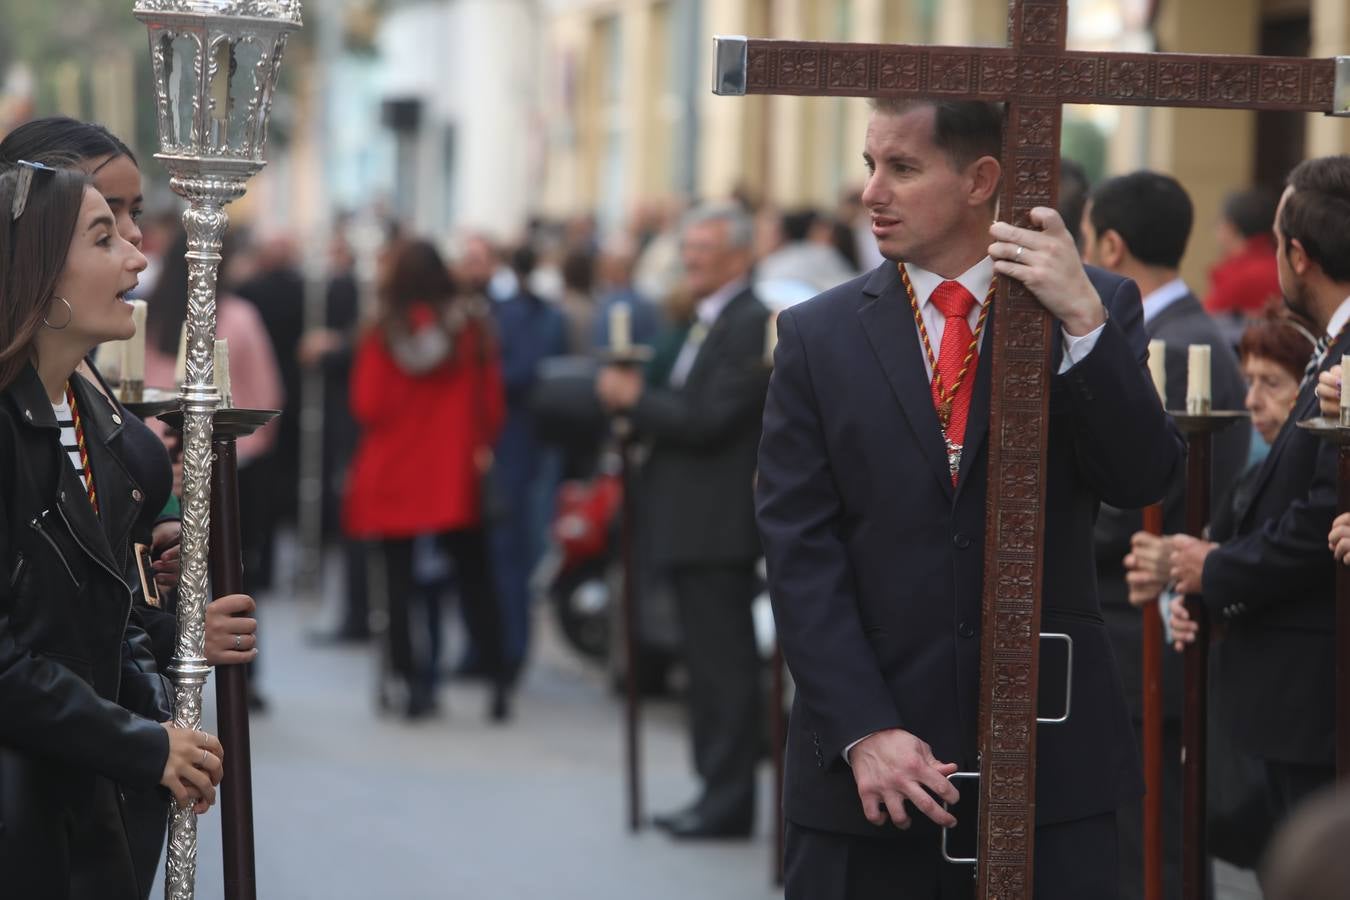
x,y
1047,262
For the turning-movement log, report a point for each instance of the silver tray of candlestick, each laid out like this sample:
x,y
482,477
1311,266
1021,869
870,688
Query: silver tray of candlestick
x,y
1327,429
153,402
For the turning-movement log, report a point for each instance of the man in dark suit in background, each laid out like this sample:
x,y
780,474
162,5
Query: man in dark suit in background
x,y
1137,226
698,509
871,504
1271,582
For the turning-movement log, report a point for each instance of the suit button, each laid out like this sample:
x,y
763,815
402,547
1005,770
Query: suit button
x,y
965,630
961,541
117,420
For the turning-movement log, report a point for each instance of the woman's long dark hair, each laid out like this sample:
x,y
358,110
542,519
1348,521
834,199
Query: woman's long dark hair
x,y
61,136
414,273
33,250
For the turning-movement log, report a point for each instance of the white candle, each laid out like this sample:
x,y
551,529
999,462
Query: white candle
x,y
133,350
620,328
1157,367
108,360
770,338
1197,380
222,363
180,365
220,83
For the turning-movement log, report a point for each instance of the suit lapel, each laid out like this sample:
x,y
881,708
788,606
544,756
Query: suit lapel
x,y
716,332
887,321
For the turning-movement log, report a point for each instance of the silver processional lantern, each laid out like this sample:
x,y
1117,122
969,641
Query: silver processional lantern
x,y
216,64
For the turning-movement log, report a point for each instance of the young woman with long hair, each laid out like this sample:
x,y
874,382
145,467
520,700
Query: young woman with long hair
x,y
71,660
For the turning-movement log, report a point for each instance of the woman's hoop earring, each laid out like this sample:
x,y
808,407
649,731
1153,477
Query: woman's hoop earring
x,y
70,317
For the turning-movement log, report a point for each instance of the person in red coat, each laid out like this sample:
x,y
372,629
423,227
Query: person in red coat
x,y
426,391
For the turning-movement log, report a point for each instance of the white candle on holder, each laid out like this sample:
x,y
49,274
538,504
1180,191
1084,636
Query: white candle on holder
x,y
180,365
133,350
1157,367
620,328
1197,380
222,364
108,360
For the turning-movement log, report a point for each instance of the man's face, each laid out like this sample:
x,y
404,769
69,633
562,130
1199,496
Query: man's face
x,y
476,264
710,262
914,192
1291,285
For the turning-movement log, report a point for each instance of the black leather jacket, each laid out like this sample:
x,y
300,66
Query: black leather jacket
x,y
80,696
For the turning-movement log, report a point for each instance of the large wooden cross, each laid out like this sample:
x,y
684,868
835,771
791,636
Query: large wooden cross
x,y
1034,76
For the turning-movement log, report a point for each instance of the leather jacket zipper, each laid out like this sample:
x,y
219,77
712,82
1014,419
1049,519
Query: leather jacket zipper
x,y
126,617
20,566
37,525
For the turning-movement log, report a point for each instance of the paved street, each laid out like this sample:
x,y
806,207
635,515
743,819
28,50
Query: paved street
x,y
351,804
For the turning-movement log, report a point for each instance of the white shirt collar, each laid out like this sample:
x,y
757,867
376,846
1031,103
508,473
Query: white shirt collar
x,y
711,306
1339,318
976,279
1163,297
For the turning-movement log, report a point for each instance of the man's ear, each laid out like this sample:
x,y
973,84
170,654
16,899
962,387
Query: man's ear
x,y
1111,249
1299,260
985,174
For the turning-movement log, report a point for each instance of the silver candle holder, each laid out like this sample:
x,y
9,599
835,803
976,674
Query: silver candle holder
x,y
216,64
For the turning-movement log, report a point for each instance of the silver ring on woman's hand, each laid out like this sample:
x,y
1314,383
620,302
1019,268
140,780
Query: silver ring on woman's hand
x,y
1017,257
202,764
238,641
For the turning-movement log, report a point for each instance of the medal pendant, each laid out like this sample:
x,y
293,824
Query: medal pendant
x,y
945,413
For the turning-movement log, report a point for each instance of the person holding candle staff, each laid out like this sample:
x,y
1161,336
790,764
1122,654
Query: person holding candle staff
x,y
703,424
72,659
230,628
1138,226
1271,580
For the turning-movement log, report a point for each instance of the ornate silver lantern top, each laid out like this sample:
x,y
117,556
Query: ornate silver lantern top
x,y
216,64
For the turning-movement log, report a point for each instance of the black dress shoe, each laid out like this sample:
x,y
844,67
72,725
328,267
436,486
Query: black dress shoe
x,y
695,826
665,821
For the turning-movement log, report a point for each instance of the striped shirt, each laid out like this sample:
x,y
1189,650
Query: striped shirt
x,y
66,420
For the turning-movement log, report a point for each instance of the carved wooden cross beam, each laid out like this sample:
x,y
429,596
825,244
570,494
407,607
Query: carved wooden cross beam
x,y
1033,76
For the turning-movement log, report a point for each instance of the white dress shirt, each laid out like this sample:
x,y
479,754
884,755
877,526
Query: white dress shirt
x,y
1157,301
977,279
705,314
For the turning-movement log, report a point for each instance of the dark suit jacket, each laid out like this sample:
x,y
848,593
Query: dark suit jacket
x,y
1183,323
697,498
1272,583
875,561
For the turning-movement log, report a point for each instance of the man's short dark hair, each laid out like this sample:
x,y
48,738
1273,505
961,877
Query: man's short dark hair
x,y
1251,212
1317,213
1151,212
963,129
1073,194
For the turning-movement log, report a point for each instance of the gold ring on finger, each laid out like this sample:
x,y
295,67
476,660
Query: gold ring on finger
x,y
202,764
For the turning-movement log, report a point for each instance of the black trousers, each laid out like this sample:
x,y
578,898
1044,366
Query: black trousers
x,y
724,691
482,616
1074,861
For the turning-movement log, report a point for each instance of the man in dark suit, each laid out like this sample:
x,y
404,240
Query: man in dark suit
x,y
1137,226
872,515
1271,582
698,518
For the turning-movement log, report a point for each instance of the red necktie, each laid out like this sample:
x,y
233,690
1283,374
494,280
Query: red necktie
x,y
955,303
